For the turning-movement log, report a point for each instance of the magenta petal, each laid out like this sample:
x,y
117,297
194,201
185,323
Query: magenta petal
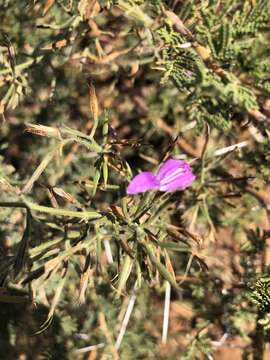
x,y
180,183
143,182
174,175
169,167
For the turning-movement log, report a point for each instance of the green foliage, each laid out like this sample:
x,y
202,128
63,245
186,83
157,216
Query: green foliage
x,y
200,345
91,93
260,160
261,293
217,86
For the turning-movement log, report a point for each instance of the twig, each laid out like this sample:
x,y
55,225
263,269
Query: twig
x,y
166,313
125,321
230,148
106,332
108,251
22,66
90,348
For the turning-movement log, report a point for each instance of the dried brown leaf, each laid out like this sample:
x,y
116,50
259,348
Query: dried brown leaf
x,y
203,52
59,44
6,186
41,130
84,279
178,24
39,170
93,101
65,195
88,8
47,6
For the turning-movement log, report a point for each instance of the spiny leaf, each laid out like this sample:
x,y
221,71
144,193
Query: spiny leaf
x,y
124,274
160,267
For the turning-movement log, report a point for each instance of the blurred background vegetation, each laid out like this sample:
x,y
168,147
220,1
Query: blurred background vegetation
x,y
91,92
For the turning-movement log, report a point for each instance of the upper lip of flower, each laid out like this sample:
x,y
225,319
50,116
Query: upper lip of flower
x,y
171,176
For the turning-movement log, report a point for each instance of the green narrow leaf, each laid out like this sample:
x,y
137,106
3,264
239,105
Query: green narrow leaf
x,y
105,170
21,255
55,302
98,250
105,128
160,267
124,275
95,182
85,215
42,166
173,246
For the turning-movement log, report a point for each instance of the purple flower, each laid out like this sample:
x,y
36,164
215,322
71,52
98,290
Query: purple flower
x,y
172,175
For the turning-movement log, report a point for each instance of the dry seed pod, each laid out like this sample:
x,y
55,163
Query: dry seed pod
x,y
47,6
88,8
41,130
93,101
203,52
63,194
7,187
178,24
